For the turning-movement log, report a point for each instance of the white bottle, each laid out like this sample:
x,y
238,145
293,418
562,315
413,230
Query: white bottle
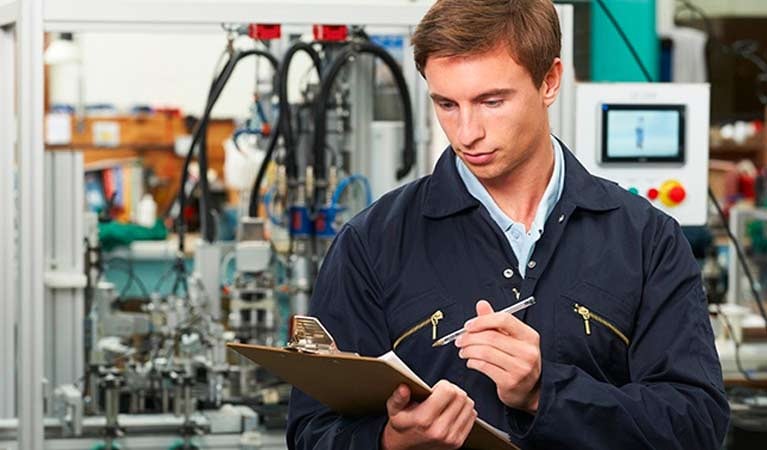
x,y
147,211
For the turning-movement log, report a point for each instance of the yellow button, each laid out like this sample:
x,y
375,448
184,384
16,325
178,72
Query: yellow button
x,y
672,193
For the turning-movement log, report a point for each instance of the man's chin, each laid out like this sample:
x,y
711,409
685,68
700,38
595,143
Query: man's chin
x,y
485,173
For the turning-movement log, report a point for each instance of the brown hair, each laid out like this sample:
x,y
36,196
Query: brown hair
x,y
529,28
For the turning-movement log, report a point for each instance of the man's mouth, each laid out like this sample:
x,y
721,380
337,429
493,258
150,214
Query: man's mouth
x,y
478,158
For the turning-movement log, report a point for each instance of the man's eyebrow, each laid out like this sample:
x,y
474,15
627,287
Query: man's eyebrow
x,y
501,92
439,98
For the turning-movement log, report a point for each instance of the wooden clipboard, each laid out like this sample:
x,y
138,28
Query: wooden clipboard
x,y
354,385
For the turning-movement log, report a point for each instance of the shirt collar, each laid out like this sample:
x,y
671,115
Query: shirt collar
x,y
446,194
549,199
478,191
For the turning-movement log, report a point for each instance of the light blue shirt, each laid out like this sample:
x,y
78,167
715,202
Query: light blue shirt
x,y
522,242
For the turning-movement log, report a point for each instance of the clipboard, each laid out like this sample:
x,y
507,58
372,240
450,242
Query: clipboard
x,y
350,384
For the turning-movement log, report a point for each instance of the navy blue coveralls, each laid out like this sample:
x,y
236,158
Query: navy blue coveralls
x,y
646,377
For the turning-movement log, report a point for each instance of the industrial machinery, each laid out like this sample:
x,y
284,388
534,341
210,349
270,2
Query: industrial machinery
x,y
652,139
152,370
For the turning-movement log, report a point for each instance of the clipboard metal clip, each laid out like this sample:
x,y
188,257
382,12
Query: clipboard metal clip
x,y
308,335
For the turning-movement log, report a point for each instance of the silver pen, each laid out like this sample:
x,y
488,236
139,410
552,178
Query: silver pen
x,y
516,307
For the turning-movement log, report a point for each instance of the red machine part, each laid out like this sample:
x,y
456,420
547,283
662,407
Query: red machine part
x,y
264,32
330,33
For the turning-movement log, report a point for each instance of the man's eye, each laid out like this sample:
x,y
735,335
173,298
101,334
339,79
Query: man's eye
x,y
493,103
446,105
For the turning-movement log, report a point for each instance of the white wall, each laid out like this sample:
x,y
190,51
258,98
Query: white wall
x,y
164,69
159,69
8,10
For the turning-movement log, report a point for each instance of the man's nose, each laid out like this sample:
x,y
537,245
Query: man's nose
x,y
470,129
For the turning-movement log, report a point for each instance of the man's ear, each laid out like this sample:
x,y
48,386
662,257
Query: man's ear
x,y
552,82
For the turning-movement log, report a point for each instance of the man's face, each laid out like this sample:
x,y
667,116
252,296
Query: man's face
x,y
491,111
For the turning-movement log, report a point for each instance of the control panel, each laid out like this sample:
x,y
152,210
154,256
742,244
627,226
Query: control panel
x,y
651,139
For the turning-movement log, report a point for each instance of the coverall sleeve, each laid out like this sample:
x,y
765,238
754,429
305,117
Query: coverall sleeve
x,y
346,300
675,399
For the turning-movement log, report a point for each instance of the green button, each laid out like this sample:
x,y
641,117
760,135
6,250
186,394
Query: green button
x,y
634,190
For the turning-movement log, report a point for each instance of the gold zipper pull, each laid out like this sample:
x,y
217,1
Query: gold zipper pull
x,y
516,292
586,314
435,318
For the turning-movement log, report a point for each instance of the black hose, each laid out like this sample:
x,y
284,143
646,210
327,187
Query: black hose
x,y
284,125
270,148
199,136
213,93
287,131
320,131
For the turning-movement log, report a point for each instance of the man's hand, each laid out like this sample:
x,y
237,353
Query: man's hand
x,y
442,421
506,350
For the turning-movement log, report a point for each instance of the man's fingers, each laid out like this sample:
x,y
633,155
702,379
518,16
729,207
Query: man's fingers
x,y
443,420
443,427
399,400
491,355
443,394
464,423
504,322
484,308
443,424
495,373
505,343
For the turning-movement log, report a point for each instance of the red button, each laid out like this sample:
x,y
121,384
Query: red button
x,y
652,193
677,194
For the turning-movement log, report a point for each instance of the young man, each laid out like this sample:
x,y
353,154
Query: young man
x,y
617,352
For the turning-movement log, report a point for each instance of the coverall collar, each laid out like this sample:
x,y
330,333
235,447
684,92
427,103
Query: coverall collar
x,y
447,195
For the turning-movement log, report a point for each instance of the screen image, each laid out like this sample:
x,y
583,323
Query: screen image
x,y
640,133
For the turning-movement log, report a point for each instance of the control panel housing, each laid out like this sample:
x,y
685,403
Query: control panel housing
x,y
651,139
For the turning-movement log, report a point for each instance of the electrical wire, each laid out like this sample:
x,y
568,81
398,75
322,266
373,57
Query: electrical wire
x,y
731,332
176,269
127,269
269,205
344,184
746,49
699,11
741,256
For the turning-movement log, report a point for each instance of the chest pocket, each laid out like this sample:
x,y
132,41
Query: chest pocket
x,y
594,331
415,324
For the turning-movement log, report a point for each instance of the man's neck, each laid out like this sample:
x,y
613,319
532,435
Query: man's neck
x,y
519,193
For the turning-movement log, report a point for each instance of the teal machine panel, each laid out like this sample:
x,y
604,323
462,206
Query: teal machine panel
x,y
611,59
